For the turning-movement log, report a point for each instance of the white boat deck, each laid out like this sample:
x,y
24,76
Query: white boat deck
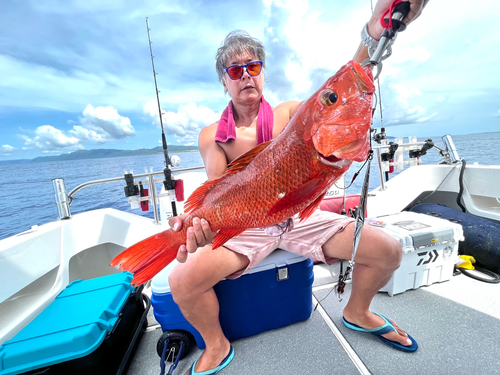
x,y
456,324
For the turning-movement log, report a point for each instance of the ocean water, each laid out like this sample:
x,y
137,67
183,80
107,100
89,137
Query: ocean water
x,y
28,195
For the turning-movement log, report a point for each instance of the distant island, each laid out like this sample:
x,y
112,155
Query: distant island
x,y
103,153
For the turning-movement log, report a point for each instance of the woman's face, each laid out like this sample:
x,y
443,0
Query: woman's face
x,y
247,89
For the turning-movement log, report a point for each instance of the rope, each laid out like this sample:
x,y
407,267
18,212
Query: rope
x,y
389,12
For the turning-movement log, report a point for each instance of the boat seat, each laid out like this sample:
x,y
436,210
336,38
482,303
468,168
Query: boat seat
x,y
335,204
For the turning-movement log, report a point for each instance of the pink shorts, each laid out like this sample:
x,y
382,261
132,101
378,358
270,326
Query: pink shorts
x,y
306,239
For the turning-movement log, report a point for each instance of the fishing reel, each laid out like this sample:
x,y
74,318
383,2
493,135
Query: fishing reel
x,y
379,137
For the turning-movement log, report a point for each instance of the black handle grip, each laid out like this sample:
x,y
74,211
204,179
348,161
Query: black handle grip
x,y
403,8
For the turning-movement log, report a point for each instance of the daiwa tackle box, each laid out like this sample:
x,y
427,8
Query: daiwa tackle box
x,y
274,294
430,249
92,327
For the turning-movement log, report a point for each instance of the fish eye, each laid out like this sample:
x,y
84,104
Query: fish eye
x,y
329,97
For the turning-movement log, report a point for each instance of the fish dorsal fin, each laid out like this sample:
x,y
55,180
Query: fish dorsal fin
x,y
225,235
302,193
309,210
196,199
244,159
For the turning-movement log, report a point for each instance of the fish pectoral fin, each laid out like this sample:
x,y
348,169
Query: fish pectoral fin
x,y
305,192
225,235
309,210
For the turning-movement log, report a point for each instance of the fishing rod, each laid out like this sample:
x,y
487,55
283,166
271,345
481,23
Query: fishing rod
x,y
383,49
169,183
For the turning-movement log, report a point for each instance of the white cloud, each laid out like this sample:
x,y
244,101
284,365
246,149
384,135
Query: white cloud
x,y
416,54
86,134
401,105
498,114
305,46
48,138
443,98
102,124
108,121
98,125
7,150
298,76
404,93
186,123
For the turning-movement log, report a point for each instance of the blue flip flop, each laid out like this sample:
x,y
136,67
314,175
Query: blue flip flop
x,y
382,330
223,364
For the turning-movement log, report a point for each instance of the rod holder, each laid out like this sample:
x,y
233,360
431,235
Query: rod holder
x,y
154,198
380,170
61,197
450,147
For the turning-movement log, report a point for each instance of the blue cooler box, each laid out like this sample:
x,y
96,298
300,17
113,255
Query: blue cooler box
x,y
92,327
274,294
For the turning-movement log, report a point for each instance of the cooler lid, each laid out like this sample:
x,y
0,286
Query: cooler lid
x,y
159,283
414,230
72,326
277,258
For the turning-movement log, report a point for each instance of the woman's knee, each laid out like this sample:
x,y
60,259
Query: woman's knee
x,y
380,250
182,286
194,277
392,252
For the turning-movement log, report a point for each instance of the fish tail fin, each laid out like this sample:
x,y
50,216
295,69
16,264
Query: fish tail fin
x,y
148,257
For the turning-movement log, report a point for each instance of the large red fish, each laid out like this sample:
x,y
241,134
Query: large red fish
x,y
276,179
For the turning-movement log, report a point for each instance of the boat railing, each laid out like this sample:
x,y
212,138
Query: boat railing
x,y
63,199
388,155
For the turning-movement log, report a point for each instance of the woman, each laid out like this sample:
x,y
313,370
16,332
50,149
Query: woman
x,y
247,121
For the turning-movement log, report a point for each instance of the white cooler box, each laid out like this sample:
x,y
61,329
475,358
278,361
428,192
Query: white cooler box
x,y
430,249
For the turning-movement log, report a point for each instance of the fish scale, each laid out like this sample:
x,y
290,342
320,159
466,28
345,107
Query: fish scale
x,y
276,180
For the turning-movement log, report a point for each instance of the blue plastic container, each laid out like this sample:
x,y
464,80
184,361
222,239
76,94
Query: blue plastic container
x,y
276,293
74,325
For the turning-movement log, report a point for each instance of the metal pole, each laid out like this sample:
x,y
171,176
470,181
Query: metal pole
x,y
381,172
114,179
152,188
62,199
450,147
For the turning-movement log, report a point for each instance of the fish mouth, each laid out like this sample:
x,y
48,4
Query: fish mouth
x,y
333,161
364,78
331,153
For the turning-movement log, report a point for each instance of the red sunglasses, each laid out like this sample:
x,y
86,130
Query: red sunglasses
x,y
235,72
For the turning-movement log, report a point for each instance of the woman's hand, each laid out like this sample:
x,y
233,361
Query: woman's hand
x,y
375,29
197,236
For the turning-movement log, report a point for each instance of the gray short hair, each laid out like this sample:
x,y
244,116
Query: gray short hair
x,y
235,43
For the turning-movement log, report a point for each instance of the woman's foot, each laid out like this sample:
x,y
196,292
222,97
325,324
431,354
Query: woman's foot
x,y
370,320
212,357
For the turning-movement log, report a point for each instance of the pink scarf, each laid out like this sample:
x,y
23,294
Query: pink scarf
x,y
226,129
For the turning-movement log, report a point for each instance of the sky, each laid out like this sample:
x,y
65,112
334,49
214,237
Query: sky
x,y
76,74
